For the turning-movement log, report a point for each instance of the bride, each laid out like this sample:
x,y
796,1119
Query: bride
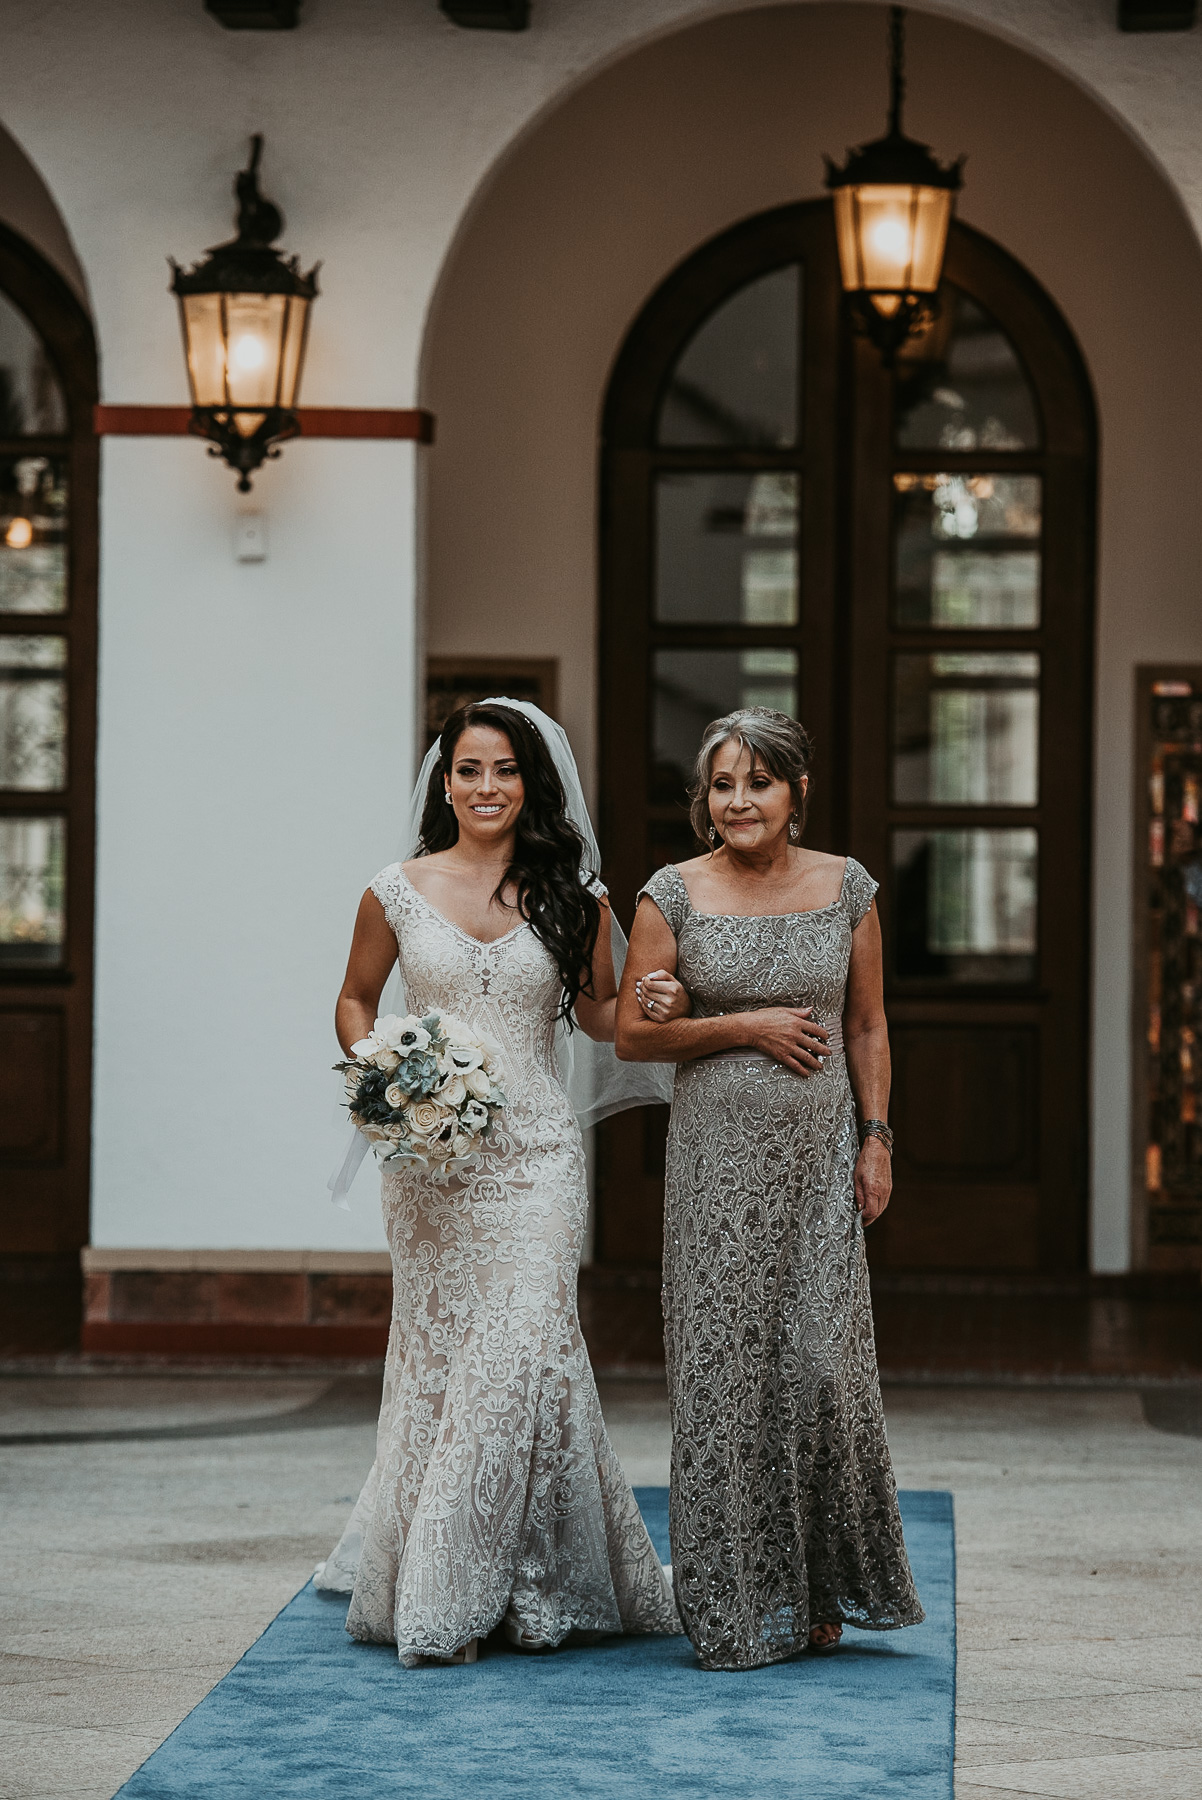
x,y
495,1496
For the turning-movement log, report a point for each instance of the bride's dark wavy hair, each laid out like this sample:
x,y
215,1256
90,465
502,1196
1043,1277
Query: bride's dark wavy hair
x,y
548,851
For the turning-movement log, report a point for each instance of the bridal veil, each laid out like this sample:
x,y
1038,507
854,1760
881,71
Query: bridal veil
x,y
597,1084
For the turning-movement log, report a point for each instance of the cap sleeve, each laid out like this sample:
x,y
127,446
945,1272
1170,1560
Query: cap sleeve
x,y
858,890
666,887
387,888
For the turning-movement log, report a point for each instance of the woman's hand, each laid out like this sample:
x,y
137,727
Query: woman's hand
x,y
874,1179
662,998
789,1035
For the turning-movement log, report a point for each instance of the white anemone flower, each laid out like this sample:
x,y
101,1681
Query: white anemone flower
x,y
474,1117
460,1059
405,1034
392,1037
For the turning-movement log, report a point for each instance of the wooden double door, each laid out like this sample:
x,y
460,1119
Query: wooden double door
x,y
903,559
48,554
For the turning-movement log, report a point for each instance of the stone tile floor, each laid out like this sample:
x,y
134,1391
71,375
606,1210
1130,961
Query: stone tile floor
x,y
139,1567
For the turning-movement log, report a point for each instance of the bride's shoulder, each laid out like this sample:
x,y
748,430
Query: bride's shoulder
x,y
424,872
388,885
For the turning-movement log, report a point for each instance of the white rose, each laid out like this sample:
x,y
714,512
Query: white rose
x,y
455,1031
478,1083
386,1060
394,1093
452,1092
463,1146
425,1118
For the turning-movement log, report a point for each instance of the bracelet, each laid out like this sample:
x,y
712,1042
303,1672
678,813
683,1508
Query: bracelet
x,y
877,1128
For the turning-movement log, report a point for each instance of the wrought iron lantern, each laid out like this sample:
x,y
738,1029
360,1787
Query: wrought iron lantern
x,y
893,206
244,312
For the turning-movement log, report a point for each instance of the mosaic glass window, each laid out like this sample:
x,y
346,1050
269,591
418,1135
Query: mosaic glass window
x,y
1173,869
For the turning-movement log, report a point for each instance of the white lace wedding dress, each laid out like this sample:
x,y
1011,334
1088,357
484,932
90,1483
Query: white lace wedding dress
x,y
495,1493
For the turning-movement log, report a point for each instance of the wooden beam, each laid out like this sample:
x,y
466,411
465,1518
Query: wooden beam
x,y
413,423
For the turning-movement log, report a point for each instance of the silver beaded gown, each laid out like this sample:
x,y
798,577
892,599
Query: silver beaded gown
x,y
783,1504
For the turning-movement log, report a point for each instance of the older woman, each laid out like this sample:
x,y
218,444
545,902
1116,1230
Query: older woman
x,y
784,1517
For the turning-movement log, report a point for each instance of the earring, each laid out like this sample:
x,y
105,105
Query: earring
x,y
715,840
794,829
447,797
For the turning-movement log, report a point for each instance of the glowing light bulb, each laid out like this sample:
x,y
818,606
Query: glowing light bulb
x,y
891,238
248,352
19,535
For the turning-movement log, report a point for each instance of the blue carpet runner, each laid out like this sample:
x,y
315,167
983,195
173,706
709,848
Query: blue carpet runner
x,y
309,1715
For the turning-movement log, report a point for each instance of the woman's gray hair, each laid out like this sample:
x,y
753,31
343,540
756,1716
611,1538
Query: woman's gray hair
x,y
776,742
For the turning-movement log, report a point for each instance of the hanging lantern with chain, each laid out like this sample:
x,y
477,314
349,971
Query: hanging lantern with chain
x,y
893,205
244,311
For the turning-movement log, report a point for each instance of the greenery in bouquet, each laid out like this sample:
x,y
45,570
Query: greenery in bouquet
x,y
422,1090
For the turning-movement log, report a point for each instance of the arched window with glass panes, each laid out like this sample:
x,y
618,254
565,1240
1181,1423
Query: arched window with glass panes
x,y
903,560
48,500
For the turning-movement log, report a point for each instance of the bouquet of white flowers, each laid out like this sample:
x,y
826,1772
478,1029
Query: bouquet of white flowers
x,y
422,1090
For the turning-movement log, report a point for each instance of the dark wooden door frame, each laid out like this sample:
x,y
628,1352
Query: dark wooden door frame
x,y
631,1148
846,444
47,1212
1058,1011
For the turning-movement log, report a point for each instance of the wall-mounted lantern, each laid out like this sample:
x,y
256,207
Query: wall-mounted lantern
x,y
893,205
244,311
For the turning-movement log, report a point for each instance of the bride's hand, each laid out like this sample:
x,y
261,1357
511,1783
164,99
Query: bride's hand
x,y
790,1036
662,998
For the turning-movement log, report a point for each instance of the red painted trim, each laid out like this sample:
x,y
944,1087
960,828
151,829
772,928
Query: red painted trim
x,y
155,1338
412,423
367,422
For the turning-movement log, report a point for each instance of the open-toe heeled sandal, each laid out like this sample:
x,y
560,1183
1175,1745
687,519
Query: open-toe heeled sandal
x,y
831,1643
524,1640
466,1655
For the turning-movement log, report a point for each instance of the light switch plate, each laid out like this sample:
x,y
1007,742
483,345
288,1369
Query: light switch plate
x,y
250,538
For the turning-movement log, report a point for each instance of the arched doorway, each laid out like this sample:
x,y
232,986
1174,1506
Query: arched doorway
x,y
48,547
904,559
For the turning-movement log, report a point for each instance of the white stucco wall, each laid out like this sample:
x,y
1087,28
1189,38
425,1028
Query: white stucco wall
x,y
256,723
254,756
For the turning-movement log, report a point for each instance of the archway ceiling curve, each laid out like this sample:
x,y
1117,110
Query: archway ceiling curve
x,y
28,207
1144,83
